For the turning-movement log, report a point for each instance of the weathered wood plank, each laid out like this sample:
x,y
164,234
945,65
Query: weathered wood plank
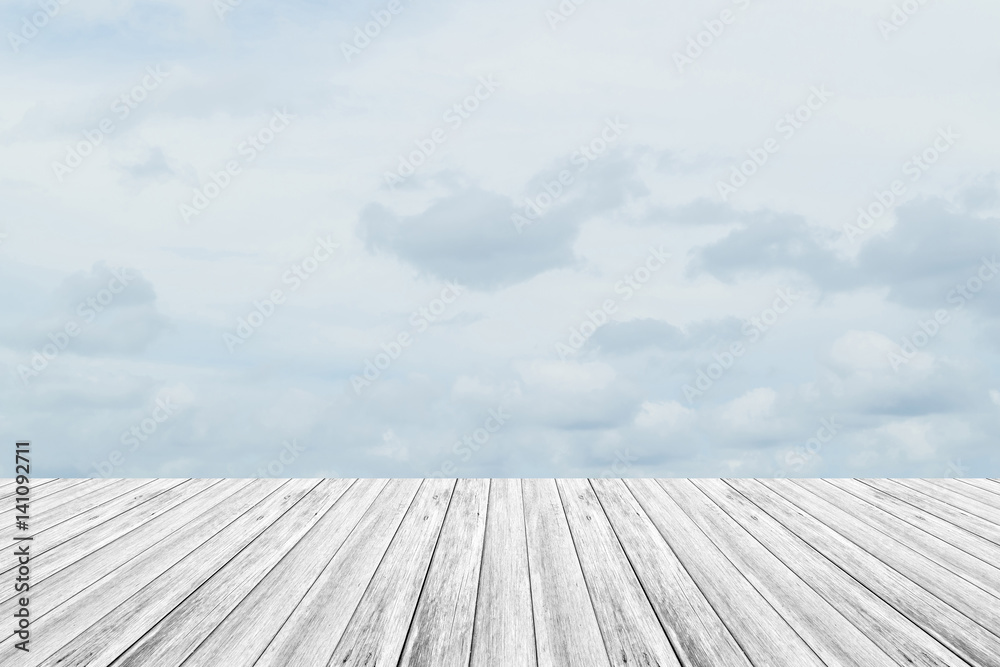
x,y
631,630
830,635
132,615
311,633
65,522
504,628
75,548
969,488
764,635
245,633
960,500
968,598
986,485
62,574
49,548
901,639
694,628
441,631
377,631
566,628
908,514
851,496
45,508
72,616
185,626
959,632
925,503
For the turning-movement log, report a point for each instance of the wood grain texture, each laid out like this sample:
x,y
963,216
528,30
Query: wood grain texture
x,y
441,630
957,592
908,516
895,634
246,632
971,489
78,574
186,625
828,632
984,511
764,635
566,628
504,631
959,632
935,507
377,631
529,573
311,633
948,554
631,630
695,630
55,627
76,541
104,640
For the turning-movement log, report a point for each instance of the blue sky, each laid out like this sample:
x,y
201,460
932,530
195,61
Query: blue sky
x,y
493,239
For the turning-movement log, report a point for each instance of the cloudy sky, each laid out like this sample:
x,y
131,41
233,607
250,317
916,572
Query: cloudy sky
x,y
521,238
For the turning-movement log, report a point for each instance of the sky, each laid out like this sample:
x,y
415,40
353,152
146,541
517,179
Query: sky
x,y
417,238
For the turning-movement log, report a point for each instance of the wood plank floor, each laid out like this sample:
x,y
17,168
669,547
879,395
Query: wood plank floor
x,y
497,573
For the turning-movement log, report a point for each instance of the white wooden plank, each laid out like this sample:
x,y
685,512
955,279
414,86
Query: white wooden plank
x,y
71,616
566,628
246,632
901,639
851,497
311,633
187,624
925,503
135,611
764,635
946,585
971,489
962,501
830,635
441,631
504,628
959,632
377,632
694,628
907,514
631,630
